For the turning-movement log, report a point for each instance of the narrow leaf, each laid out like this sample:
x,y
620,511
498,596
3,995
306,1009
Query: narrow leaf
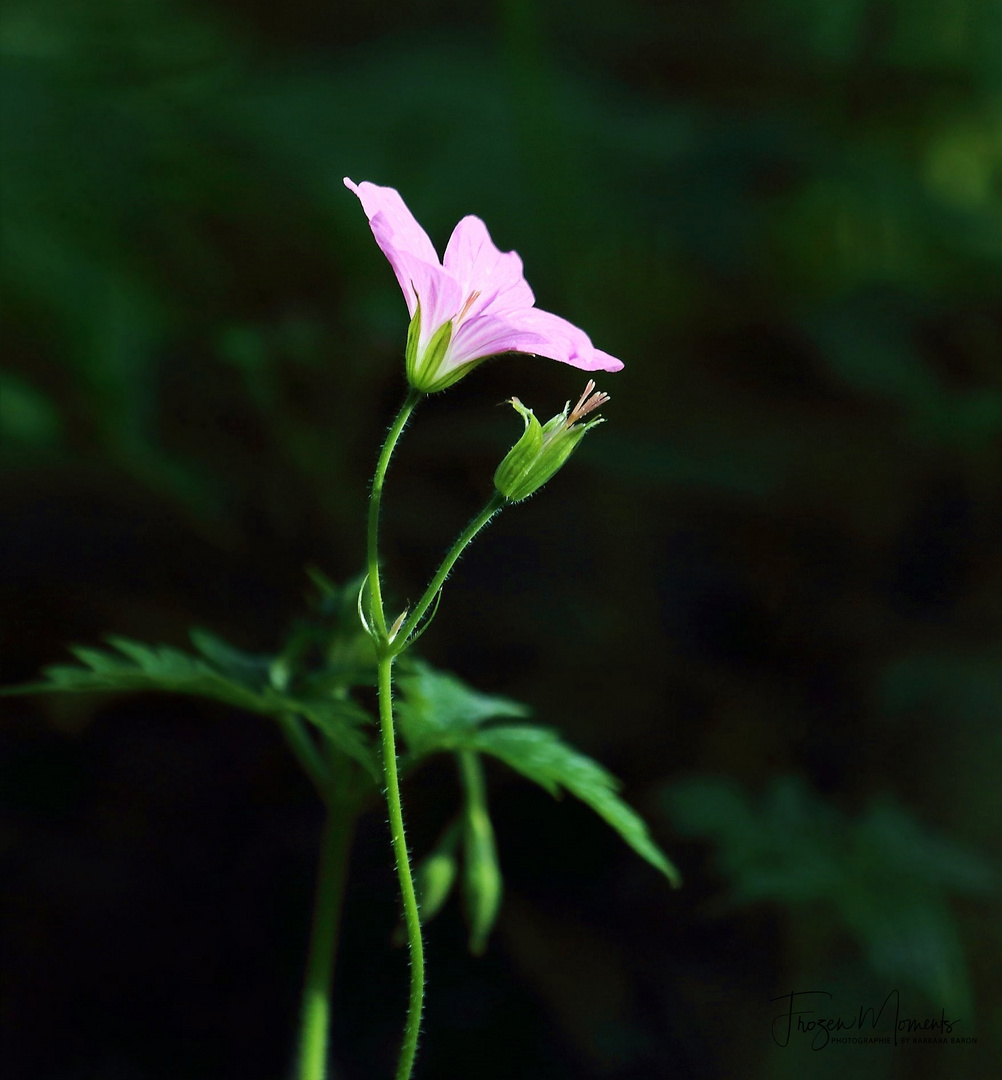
x,y
539,754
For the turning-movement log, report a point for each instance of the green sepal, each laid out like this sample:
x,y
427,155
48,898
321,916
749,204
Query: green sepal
x,y
423,364
511,474
410,353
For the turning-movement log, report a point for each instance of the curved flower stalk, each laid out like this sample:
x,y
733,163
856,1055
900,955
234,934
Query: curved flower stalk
x,y
473,304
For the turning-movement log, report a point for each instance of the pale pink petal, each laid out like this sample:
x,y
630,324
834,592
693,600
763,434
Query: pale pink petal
x,y
475,261
435,288
401,239
606,362
487,336
400,226
563,341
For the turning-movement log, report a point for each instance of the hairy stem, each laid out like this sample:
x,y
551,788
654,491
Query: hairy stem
x,y
471,530
412,921
375,499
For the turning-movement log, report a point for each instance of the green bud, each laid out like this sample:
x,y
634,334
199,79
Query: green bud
x,y
482,885
543,449
433,882
436,874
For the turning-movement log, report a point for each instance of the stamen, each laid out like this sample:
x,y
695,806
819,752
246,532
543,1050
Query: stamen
x,y
587,390
589,401
469,303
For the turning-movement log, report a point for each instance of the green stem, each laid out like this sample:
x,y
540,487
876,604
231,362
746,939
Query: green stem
x,y
375,498
471,530
411,919
339,828
472,771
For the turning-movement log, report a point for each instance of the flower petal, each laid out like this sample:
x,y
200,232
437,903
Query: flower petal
x,y
400,224
487,335
401,239
563,341
606,362
435,288
475,261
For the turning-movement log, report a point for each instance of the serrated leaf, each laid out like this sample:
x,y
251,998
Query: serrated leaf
x,y
143,655
99,662
252,671
437,710
139,667
539,754
339,720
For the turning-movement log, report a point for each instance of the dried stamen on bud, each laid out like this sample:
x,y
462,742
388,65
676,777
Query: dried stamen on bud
x,y
589,401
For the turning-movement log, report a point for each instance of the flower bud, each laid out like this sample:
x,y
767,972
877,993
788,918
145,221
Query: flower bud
x,y
543,448
482,885
433,881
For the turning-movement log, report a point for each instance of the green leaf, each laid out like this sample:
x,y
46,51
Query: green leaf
x,y
339,720
336,636
137,667
245,668
437,711
141,667
539,754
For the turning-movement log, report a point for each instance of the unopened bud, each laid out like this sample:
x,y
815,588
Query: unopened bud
x,y
544,448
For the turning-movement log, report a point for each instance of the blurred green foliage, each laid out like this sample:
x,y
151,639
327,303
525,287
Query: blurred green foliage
x,y
878,878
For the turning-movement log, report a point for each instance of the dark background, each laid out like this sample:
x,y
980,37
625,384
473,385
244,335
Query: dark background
x,y
767,593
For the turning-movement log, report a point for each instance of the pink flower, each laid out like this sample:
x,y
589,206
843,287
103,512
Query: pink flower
x,y
473,304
